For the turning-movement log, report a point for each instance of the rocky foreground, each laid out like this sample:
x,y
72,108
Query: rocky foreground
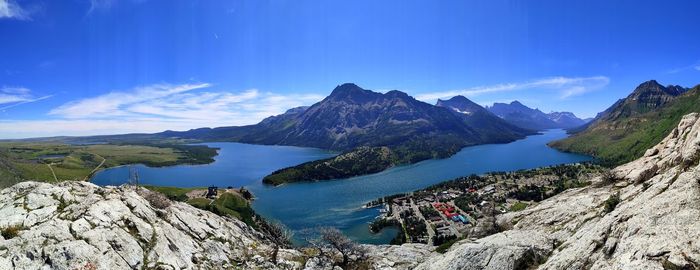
x,y
78,225
644,215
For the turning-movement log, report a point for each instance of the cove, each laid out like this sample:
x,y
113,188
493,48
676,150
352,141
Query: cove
x,y
339,203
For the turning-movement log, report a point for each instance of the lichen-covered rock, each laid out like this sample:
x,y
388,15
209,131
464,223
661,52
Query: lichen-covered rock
x,y
78,225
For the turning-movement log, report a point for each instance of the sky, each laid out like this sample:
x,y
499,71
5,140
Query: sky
x,y
87,67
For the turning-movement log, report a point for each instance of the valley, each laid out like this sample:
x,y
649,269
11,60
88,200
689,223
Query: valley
x,y
338,203
57,161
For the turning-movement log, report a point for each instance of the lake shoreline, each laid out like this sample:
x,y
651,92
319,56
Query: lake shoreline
x,y
339,203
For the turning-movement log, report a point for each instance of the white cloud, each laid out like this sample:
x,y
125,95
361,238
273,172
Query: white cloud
x,y
115,103
695,66
99,4
11,10
565,86
156,108
14,96
13,129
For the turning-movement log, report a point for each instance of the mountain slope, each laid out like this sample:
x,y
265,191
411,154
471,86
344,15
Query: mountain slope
x,y
525,117
630,126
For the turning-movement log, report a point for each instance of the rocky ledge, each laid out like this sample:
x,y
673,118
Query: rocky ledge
x,y
78,225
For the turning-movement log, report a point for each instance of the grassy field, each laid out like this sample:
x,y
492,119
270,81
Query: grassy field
x,y
174,193
41,161
229,204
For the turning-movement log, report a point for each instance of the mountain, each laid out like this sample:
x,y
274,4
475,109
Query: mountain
x,y
648,96
485,122
566,119
631,125
461,105
352,117
520,115
631,218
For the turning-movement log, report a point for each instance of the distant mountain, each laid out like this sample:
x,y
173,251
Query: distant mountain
x,y
566,119
461,105
623,131
352,117
525,117
485,122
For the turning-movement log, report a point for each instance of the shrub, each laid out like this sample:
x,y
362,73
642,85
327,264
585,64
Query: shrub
x,y
10,232
156,199
518,206
608,177
612,202
442,248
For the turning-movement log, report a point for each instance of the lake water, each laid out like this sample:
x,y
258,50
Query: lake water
x,y
339,203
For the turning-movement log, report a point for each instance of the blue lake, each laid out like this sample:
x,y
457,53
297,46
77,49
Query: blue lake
x,y
339,203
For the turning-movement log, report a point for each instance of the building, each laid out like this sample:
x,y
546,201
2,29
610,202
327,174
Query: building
x,y
212,192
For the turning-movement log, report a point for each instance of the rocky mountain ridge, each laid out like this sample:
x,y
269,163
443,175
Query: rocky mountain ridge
x,y
351,117
523,116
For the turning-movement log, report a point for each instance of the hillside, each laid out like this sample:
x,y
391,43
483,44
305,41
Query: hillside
x,y
363,160
633,124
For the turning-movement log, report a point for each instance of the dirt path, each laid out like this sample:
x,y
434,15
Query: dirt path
x,y
52,172
96,168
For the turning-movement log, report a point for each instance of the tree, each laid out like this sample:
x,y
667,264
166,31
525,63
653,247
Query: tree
x,y
335,239
280,235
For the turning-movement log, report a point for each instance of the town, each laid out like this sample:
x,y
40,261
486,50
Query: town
x,y
466,207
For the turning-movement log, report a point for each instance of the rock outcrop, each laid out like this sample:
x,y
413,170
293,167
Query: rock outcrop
x,y
78,225
645,216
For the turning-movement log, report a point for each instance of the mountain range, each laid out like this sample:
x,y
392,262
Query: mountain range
x,y
522,116
631,125
382,129
351,116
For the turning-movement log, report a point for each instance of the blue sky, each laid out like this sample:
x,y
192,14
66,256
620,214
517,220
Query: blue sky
x,y
80,67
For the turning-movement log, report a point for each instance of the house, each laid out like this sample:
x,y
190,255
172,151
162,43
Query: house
x,y
212,191
488,190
